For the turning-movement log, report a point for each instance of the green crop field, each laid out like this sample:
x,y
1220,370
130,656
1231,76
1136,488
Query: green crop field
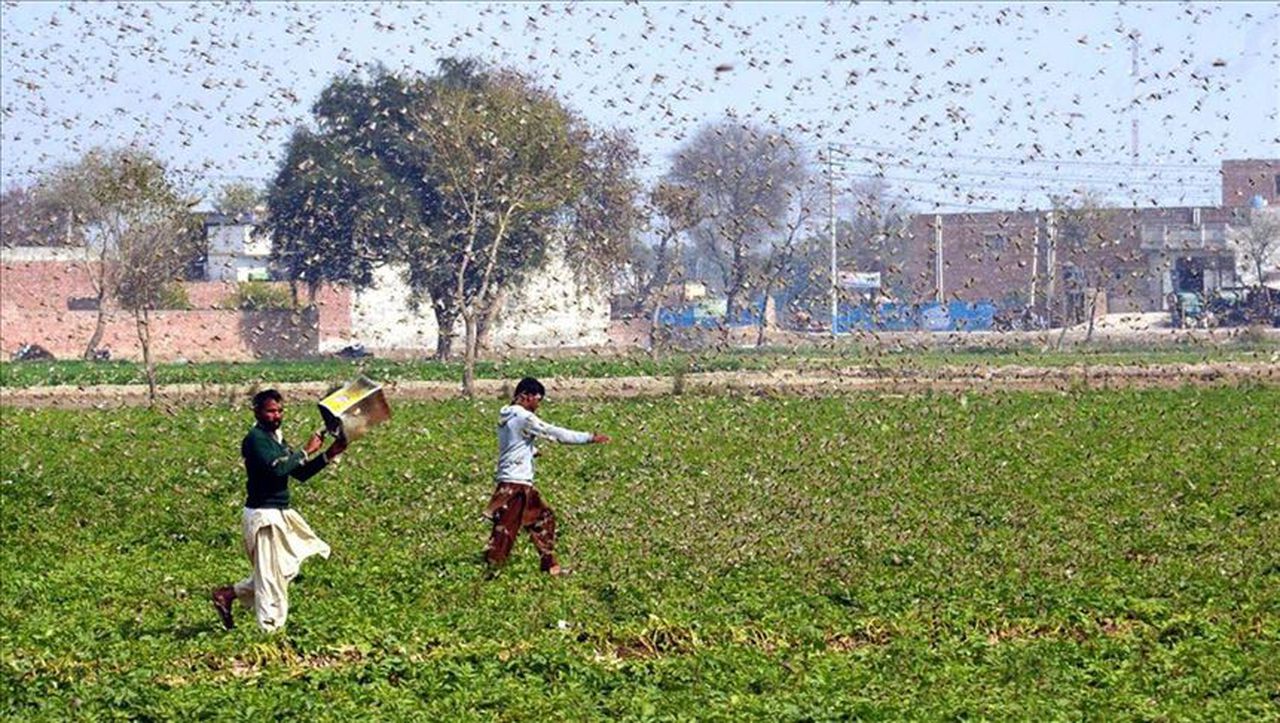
x,y
1056,556
36,373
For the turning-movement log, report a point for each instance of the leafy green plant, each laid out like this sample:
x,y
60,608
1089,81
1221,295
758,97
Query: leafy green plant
x,y
816,360
260,296
1003,555
174,296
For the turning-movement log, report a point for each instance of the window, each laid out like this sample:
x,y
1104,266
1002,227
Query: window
x,y
1278,185
995,242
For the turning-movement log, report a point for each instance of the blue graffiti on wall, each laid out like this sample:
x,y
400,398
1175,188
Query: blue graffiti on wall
x,y
955,316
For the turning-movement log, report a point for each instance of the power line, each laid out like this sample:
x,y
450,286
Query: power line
x,y
1037,176
840,147
958,182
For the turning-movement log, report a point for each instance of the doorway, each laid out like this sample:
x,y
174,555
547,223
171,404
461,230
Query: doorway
x,y
1188,275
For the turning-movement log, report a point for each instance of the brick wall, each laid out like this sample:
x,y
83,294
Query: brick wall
x,y
1244,179
175,335
991,257
1120,262
42,285
986,256
35,308
332,302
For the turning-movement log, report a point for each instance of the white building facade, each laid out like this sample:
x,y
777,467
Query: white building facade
x,y
237,252
549,310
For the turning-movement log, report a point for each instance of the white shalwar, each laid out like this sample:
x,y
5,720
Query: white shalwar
x,y
276,541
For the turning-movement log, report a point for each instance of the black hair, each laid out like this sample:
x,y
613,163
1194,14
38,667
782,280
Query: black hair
x,y
266,395
532,386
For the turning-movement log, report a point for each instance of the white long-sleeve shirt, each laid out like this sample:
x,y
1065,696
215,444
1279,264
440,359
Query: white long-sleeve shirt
x,y
518,428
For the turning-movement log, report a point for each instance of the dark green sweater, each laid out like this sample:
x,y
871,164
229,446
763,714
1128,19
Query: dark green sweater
x,y
270,464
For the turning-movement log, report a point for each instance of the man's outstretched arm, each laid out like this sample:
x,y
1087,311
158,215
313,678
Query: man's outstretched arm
x,y
539,428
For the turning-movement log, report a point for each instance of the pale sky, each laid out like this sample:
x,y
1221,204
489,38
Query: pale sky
x,y
978,105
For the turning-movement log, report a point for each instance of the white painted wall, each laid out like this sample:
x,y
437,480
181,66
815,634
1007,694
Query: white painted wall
x,y
15,254
381,317
552,310
237,253
549,310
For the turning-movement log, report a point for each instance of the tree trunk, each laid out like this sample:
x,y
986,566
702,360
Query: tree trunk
x,y
98,330
484,332
445,319
764,309
143,321
469,364
1267,304
293,293
734,304
658,281
730,305
653,331
444,346
1091,309
1062,334
101,279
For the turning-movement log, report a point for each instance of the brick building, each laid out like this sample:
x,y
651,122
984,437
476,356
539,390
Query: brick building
x,y
1128,259
1243,180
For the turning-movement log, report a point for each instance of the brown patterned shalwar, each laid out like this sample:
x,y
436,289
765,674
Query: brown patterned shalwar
x,y
516,506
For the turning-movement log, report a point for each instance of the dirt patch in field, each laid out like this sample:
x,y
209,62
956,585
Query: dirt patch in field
x,y
780,382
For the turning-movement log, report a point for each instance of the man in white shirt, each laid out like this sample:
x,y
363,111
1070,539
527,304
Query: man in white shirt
x,y
516,503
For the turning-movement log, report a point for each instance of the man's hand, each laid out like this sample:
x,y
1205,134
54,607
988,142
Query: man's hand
x,y
313,444
597,438
338,447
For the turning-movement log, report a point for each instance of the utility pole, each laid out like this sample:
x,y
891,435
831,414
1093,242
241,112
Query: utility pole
x,y
939,292
1050,262
1133,108
1035,261
831,207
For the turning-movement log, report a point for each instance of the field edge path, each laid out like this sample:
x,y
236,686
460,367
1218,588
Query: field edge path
x,y
818,382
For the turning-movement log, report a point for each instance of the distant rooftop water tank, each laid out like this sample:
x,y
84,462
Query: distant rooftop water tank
x,y
1257,202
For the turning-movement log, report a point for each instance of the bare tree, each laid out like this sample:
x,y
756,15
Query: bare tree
x,y
786,244
599,236
675,210
743,175
105,195
1088,239
30,217
151,258
606,213
1257,245
132,216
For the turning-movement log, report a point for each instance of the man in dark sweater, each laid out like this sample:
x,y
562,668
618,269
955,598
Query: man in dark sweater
x,y
276,538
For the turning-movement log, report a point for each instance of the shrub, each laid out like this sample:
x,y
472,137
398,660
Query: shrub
x,y
174,296
260,295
